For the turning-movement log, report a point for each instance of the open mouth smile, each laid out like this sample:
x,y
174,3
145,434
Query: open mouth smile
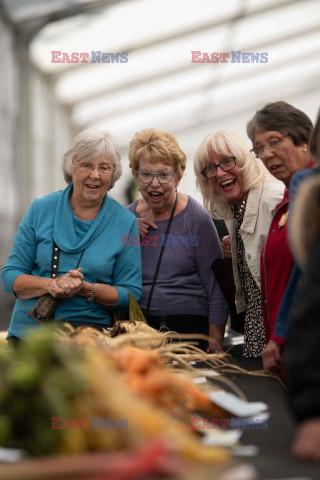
x,y
274,167
228,184
155,196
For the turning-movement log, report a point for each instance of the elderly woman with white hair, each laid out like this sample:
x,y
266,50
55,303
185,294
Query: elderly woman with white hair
x,y
69,250
238,188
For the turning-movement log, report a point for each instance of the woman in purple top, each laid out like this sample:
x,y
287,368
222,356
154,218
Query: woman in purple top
x,y
186,297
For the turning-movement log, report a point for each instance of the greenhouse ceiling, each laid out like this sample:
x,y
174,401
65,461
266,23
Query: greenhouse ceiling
x,y
177,64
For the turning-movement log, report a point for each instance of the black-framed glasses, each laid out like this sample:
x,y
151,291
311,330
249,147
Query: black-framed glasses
x,y
162,177
226,164
271,145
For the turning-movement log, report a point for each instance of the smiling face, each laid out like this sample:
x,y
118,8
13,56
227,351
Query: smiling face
x,y
159,197
286,159
91,181
228,184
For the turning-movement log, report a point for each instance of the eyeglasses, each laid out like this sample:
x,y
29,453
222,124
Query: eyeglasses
x,y
273,144
226,165
162,177
104,169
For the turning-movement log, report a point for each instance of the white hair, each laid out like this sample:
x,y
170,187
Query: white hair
x,y
227,143
92,144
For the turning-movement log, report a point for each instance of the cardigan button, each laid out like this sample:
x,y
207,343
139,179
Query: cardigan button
x,y
274,230
249,255
56,249
55,258
53,275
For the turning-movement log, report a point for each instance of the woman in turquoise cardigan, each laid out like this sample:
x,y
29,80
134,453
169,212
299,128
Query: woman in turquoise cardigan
x,y
94,268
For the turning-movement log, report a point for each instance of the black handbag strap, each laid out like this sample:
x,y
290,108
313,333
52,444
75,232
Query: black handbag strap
x,y
161,255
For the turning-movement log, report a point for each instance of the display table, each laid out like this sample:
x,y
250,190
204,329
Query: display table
x,y
274,460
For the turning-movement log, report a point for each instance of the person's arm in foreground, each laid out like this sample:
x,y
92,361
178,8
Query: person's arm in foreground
x,y
303,361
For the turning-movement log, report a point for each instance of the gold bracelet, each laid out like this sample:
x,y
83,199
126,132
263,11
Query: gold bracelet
x,y
92,298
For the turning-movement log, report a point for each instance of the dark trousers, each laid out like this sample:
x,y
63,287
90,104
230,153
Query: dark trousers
x,y
183,324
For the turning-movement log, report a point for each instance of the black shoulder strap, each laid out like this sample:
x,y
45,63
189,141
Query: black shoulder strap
x,y
161,255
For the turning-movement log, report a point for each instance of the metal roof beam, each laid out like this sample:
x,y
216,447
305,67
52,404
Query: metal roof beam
x,y
28,27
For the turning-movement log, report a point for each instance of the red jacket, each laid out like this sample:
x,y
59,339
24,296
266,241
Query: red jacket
x,y
276,263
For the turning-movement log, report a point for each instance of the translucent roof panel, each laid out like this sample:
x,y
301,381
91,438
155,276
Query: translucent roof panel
x,y
286,53
128,26
159,85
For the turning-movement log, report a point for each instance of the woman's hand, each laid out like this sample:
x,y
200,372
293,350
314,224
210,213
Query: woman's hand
x,y
271,356
306,444
216,334
226,246
66,286
144,224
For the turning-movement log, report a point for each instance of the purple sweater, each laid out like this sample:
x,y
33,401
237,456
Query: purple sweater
x,y
186,283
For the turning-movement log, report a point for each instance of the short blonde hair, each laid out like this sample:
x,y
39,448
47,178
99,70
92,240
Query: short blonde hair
x,y
92,144
156,145
227,143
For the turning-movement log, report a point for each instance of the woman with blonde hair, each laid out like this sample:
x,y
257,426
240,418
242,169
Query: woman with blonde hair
x,y
179,243
238,188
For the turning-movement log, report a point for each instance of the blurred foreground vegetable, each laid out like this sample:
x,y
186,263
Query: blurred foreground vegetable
x,y
46,379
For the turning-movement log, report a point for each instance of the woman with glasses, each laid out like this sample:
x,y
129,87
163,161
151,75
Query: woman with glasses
x,y
238,188
70,246
185,296
279,133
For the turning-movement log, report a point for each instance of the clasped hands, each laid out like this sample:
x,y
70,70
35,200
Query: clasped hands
x,y
66,286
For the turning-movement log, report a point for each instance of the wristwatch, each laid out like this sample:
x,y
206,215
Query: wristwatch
x,y
214,350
